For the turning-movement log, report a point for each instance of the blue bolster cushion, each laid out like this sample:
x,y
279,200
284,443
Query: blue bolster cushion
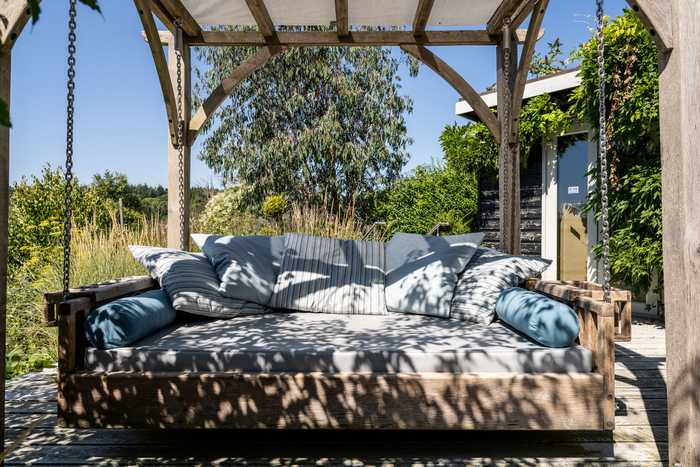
x,y
122,322
546,321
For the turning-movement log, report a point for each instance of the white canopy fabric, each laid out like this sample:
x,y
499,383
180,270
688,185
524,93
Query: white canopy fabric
x,y
360,12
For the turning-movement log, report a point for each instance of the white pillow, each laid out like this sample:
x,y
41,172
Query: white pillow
x,y
191,283
422,271
489,273
247,266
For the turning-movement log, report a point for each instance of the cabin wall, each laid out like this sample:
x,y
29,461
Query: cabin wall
x,y
488,219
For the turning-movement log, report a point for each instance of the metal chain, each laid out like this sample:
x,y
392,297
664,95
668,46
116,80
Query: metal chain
x,y
180,137
507,110
603,150
70,111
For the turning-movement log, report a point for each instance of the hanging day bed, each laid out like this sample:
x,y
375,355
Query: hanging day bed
x,y
394,375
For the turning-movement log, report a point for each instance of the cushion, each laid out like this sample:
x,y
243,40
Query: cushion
x,y
310,342
191,282
327,275
247,266
422,271
124,321
548,322
488,274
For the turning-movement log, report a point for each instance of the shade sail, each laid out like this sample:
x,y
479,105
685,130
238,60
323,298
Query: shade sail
x,y
360,12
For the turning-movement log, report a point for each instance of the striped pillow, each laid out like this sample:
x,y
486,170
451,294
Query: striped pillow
x,y
327,275
191,282
488,274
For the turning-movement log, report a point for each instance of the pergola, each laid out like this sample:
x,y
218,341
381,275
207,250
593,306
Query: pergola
x,y
413,25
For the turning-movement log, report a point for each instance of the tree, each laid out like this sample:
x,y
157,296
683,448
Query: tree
x,y
314,123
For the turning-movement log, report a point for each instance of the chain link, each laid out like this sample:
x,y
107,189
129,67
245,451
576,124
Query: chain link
x,y
180,138
70,111
603,149
507,110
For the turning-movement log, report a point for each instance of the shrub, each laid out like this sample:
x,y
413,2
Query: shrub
x,y
275,206
429,196
97,255
224,214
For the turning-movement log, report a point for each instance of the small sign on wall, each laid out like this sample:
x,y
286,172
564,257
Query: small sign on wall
x,y
573,190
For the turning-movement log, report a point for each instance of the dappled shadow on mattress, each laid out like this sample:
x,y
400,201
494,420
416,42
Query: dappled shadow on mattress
x,y
396,393
303,342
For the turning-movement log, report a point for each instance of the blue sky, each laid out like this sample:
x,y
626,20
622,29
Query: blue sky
x,y
121,125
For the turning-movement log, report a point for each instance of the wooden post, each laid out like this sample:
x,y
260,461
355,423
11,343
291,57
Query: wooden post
x,y
5,63
680,163
509,151
179,237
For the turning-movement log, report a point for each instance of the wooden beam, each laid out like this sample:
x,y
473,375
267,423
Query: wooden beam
x,y
14,15
680,170
227,86
526,59
354,38
521,13
504,11
657,18
465,90
262,17
166,85
420,20
509,155
175,10
163,15
179,234
342,24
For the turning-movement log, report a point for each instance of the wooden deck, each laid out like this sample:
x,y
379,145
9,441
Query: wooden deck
x,y
639,439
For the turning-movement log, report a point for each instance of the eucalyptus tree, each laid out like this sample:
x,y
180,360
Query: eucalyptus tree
x,y
322,125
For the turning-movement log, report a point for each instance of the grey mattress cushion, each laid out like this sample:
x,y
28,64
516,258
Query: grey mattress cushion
x,y
247,266
422,271
327,275
489,273
191,282
306,342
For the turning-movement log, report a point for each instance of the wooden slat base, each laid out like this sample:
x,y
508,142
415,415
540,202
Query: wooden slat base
x,y
331,401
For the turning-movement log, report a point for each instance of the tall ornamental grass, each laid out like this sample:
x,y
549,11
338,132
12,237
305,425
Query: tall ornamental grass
x,y
97,255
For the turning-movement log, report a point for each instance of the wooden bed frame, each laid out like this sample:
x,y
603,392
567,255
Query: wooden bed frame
x,y
498,401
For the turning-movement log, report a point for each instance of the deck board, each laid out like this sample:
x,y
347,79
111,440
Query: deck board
x,y
641,436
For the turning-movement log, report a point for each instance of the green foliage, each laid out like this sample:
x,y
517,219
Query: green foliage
x,y
432,195
36,213
469,148
98,255
632,84
314,123
225,214
634,148
549,63
275,206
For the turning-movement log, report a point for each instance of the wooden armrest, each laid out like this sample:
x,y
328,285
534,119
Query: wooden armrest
x,y
596,323
97,294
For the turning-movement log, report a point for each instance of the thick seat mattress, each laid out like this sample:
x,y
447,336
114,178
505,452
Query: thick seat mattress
x,y
308,342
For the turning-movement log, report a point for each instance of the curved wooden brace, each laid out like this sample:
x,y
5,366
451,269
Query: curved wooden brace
x,y
156,46
219,95
526,57
459,84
